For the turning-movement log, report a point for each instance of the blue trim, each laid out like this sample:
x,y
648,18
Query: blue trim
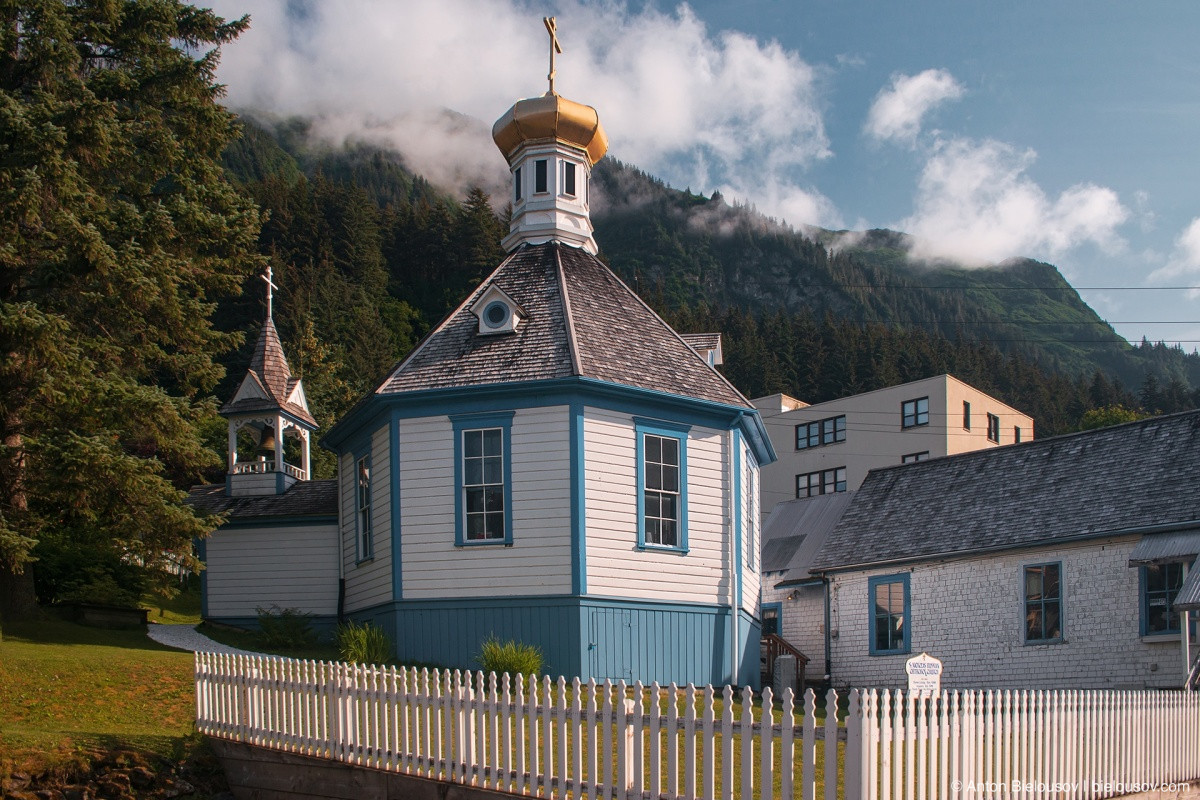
x,y
475,421
737,513
559,391
1062,604
279,520
394,472
670,430
906,645
578,502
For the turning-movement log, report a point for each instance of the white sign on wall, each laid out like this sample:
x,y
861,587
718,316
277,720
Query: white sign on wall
x,y
924,673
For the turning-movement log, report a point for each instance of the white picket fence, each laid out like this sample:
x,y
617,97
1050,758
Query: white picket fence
x,y
545,740
550,738
1025,745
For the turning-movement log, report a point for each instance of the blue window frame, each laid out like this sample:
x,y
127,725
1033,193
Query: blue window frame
x,y
1043,603
772,619
662,484
483,479
1158,585
888,599
365,538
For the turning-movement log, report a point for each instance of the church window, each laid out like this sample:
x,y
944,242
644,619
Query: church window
x,y
539,177
568,179
1159,585
1043,603
662,485
517,185
483,456
366,543
888,598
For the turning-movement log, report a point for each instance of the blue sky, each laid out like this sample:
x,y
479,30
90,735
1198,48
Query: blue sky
x,y
1066,131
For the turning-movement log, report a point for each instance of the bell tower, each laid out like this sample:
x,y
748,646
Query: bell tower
x,y
269,405
551,144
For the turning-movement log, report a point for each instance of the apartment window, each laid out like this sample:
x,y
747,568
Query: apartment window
x,y
914,412
539,176
912,458
826,481
821,432
662,485
1016,434
483,467
517,185
366,543
1159,585
993,431
568,179
966,416
1043,603
889,601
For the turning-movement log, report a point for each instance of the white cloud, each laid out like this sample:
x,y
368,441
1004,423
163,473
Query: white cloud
x,y
1185,260
976,204
695,107
898,110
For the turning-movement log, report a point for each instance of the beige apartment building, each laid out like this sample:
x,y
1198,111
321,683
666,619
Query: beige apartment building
x,y
830,447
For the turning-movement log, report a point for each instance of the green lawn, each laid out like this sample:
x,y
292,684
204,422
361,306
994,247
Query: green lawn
x,y
67,689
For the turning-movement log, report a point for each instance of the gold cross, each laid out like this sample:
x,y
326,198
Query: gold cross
x,y
555,47
270,286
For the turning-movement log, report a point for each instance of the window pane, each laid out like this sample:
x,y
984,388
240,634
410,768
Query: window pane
x,y
472,443
474,498
667,506
495,526
473,472
1050,583
1033,621
539,176
670,451
654,449
494,497
569,178
1052,630
1033,583
493,442
670,479
475,526
493,470
653,535
654,479
667,535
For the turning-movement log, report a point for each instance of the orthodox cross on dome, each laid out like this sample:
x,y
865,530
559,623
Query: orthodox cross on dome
x,y
555,47
270,286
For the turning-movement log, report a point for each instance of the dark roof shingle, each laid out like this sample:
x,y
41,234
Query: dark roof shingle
x,y
1123,478
302,499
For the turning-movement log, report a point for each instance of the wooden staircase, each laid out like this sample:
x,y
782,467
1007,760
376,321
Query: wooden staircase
x,y
772,647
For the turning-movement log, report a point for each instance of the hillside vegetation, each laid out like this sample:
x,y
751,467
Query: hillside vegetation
x,y
370,256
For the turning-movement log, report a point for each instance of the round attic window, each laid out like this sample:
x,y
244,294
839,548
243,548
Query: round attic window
x,y
496,314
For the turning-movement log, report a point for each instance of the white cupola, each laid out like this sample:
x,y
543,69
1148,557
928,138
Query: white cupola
x,y
551,144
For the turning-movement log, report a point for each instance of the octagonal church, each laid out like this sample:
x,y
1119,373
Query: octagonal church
x,y
552,464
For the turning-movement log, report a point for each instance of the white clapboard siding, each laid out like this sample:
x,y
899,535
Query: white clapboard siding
x,y
751,538
539,562
615,567
368,582
543,738
291,567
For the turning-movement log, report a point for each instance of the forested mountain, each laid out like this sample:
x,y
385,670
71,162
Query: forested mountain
x,y
371,256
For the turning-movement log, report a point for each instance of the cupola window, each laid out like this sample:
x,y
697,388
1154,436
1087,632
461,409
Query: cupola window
x,y
517,185
496,314
539,176
568,179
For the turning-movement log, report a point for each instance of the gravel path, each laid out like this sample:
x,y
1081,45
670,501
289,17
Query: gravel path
x,y
186,637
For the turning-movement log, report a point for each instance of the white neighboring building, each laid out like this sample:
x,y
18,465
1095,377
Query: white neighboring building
x,y
830,447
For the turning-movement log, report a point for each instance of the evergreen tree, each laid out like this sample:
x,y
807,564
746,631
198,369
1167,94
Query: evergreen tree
x,y
118,231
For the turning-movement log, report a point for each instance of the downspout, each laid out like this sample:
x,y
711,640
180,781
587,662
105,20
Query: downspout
x,y
825,586
341,555
1185,638
733,598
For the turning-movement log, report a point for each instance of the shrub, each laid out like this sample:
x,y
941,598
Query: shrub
x,y
511,657
365,643
285,628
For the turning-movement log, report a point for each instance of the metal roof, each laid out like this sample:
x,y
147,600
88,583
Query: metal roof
x,y
1188,598
796,529
1158,548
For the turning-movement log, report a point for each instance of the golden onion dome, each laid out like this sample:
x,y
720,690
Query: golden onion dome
x,y
551,117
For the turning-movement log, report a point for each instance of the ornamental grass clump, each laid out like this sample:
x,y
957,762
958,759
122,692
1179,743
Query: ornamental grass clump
x,y
511,657
285,628
363,644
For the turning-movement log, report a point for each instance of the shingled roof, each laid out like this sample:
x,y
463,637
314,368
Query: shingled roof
x,y
582,321
302,499
1126,478
270,373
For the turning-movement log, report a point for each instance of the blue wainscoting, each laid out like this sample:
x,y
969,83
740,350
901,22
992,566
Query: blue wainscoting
x,y
585,637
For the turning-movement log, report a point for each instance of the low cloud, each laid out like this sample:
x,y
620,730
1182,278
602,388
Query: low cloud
x,y
696,107
1185,259
898,110
976,204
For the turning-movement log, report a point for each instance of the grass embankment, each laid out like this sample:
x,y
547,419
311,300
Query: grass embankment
x,y
68,691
